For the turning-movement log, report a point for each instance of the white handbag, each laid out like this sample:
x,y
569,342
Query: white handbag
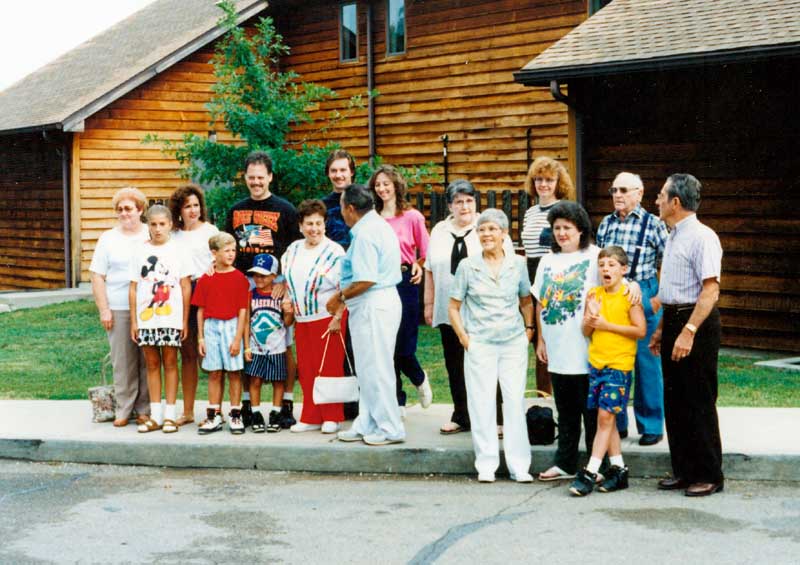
x,y
331,390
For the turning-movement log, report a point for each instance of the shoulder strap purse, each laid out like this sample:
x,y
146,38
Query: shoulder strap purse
x,y
332,390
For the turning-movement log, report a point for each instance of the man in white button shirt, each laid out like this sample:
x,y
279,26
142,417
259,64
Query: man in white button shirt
x,y
688,340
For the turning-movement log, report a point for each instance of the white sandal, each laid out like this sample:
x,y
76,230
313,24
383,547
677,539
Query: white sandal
x,y
555,473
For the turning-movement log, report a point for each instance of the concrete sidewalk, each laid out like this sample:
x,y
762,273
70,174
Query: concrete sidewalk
x,y
758,444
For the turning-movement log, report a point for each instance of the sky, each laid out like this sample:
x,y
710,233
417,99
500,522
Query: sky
x,y
34,32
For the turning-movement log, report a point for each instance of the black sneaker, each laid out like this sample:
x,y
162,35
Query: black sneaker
x,y
258,423
247,413
274,422
583,483
616,479
287,417
236,425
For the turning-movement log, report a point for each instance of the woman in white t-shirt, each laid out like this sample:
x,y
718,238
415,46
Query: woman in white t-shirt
x,y
548,182
192,232
109,269
312,267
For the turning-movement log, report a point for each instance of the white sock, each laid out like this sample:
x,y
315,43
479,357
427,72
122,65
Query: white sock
x,y
594,465
257,408
246,396
156,412
169,412
617,460
288,396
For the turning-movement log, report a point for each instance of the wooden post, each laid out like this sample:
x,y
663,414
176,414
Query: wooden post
x,y
75,209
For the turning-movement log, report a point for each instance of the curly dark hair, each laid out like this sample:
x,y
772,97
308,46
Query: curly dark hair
x,y
400,188
575,214
178,198
309,208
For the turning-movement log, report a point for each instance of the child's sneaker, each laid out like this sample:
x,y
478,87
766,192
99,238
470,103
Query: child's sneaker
x,y
617,479
258,423
236,425
247,413
583,483
212,423
275,421
287,418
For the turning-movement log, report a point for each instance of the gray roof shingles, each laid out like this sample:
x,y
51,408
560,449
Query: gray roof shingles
x,y
637,31
63,88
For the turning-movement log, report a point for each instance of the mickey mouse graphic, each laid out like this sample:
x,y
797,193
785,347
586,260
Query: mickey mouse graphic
x,y
161,289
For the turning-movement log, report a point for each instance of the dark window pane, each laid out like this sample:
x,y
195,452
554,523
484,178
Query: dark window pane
x,y
349,32
396,26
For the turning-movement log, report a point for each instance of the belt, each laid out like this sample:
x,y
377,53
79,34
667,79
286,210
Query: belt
x,y
677,308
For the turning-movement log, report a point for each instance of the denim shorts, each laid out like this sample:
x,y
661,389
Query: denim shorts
x,y
608,389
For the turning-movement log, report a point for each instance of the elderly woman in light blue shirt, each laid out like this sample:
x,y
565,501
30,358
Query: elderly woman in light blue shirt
x,y
491,312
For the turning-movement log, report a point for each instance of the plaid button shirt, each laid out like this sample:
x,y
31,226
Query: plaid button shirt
x,y
625,233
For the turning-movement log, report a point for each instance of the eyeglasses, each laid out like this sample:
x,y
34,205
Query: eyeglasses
x,y
542,180
620,189
122,209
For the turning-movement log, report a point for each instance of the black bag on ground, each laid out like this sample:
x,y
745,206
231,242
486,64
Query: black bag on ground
x,y
541,425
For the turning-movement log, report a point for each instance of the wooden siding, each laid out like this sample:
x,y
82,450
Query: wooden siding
x,y
737,130
455,79
31,212
110,153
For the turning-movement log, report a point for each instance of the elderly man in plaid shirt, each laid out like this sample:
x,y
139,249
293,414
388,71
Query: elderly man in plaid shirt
x,y
643,237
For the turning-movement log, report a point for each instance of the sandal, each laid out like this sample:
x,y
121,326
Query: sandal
x,y
451,428
148,426
184,419
169,427
141,419
120,422
555,473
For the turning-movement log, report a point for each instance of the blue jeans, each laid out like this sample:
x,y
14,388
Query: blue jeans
x,y
648,396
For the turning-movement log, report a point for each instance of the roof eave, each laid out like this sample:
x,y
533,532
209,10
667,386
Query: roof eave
x,y
74,122
543,77
33,129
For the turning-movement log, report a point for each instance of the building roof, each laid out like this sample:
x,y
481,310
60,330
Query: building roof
x,y
71,88
636,35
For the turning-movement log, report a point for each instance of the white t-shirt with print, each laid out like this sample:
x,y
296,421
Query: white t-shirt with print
x,y
112,259
195,242
561,284
158,270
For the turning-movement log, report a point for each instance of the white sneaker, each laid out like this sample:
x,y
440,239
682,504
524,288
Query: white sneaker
x,y
402,412
330,427
424,392
349,435
380,439
485,477
522,478
211,424
301,427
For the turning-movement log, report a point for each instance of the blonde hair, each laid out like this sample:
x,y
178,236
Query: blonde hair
x,y
129,193
220,240
158,210
565,190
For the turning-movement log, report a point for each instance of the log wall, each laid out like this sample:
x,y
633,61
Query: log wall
x,y
31,212
737,130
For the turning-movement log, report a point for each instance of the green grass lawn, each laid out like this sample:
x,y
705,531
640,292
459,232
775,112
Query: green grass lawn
x,y
56,352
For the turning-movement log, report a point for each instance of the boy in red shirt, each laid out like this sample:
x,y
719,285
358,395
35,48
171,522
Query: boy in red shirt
x,y
222,303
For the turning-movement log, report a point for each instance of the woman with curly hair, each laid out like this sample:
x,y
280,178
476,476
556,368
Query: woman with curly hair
x,y
389,192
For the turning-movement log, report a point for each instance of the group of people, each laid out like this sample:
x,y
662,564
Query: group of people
x,y
339,278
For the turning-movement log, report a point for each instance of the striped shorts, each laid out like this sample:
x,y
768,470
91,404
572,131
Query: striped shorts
x,y
219,335
269,368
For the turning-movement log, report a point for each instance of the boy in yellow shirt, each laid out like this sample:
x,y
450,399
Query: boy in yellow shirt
x,y
614,325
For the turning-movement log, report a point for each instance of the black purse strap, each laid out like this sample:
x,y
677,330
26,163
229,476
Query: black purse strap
x,y
639,246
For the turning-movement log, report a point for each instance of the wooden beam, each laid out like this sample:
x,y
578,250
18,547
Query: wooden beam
x,y
75,208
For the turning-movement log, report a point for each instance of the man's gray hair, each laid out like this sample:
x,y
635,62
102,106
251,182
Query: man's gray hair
x,y
495,216
628,180
687,188
359,197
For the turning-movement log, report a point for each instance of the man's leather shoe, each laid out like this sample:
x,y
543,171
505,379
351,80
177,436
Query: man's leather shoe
x,y
623,434
703,489
650,439
672,484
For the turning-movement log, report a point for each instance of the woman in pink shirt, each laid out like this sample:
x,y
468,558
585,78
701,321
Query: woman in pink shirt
x,y
389,189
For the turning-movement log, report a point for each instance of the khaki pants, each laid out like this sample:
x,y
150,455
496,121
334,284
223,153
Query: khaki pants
x,y
130,373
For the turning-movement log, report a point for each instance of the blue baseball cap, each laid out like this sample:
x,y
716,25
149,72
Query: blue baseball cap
x,y
264,264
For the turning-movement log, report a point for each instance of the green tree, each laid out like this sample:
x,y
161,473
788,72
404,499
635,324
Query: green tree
x,y
259,105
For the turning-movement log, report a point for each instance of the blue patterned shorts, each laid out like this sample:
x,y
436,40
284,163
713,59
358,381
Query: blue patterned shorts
x,y
608,389
219,334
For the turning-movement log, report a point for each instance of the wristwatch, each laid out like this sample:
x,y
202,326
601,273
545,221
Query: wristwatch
x,y
691,327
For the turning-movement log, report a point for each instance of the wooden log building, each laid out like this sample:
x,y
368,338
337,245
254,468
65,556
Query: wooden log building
x,y
656,92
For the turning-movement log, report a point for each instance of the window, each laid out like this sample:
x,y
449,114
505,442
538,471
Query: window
x,y
395,27
348,32
596,5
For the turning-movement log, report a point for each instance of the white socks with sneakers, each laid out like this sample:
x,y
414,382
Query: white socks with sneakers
x,y
617,460
594,465
288,396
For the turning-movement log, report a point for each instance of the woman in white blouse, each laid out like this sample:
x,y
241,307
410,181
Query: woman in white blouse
x,y
192,232
110,273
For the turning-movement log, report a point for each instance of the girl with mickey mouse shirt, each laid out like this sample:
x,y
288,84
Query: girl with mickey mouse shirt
x,y
159,300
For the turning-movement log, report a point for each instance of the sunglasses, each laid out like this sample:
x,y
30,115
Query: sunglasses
x,y
621,189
